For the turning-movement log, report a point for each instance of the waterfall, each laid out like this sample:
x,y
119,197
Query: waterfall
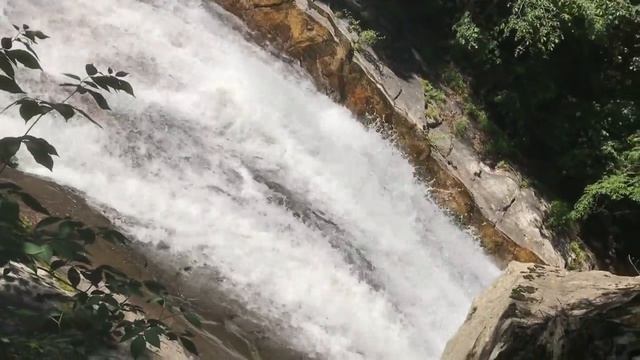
x,y
232,158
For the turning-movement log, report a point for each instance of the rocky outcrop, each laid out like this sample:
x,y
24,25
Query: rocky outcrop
x,y
541,312
507,216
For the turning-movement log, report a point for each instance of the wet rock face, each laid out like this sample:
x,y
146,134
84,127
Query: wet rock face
x,y
541,312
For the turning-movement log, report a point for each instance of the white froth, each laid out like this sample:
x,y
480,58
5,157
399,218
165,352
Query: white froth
x,y
194,157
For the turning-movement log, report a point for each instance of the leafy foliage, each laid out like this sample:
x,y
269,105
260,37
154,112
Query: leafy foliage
x,y
96,312
622,182
364,37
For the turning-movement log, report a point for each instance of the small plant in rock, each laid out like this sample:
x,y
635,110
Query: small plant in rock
x,y
432,94
367,38
364,37
461,127
454,80
558,218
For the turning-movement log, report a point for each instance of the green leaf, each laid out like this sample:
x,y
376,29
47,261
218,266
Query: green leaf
x,y
30,248
189,345
74,276
6,42
6,66
9,85
9,210
65,110
46,253
138,346
25,58
193,319
100,100
41,151
121,74
153,336
91,70
29,108
9,146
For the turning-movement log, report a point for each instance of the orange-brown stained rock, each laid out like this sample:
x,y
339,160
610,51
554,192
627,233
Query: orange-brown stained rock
x,y
329,62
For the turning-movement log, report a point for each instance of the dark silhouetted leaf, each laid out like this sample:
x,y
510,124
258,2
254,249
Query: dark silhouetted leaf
x,y
100,100
138,346
57,264
16,27
26,44
189,345
126,87
6,43
41,151
110,71
113,235
105,82
193,319
92,84
47,222
154,286
8,85
152,335
25,58
75,77
30,35
9,186
74,276
91,70
29,108
87,235
9,146
32,203
40,35
122,74
9,210
5,66
65,110
87,116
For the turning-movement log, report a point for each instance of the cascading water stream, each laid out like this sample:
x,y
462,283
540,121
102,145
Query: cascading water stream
x,y
230,156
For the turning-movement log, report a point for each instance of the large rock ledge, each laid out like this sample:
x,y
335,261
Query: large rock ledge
x,y
507,217
541,312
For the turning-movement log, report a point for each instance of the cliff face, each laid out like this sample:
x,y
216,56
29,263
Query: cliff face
x,y
542,312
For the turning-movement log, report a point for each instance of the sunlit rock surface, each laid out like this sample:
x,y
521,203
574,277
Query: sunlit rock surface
x,y
542,312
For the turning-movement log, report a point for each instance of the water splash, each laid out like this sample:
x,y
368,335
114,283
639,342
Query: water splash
x,y
232,157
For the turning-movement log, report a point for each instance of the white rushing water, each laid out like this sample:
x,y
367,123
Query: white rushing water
x,y
231,156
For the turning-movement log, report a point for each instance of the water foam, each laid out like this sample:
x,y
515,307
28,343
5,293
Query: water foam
x,y
230,155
